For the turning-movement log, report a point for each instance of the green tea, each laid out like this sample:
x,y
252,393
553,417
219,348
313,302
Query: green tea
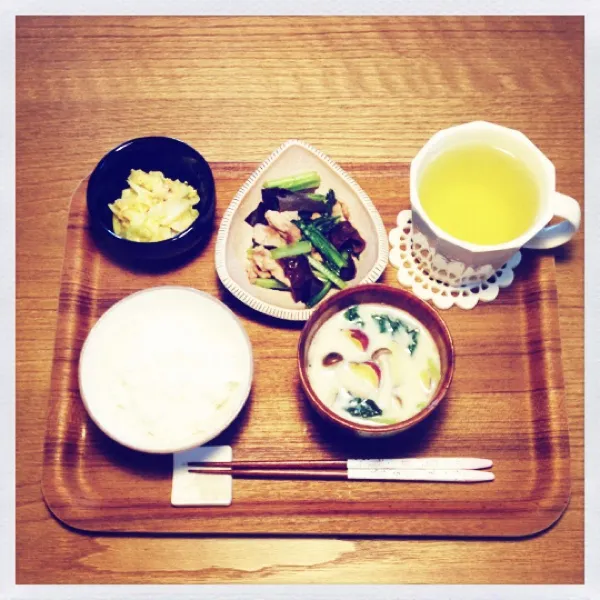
x,y
479,194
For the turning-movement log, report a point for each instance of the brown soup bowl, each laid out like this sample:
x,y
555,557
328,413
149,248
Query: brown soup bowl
x,y
390,296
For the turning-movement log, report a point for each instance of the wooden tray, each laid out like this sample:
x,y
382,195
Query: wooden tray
x,y
505,403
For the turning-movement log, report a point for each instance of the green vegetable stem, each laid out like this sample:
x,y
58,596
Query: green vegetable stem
x,y
303,181
320,294
271,284
317,197
325,224
321,243
295,249
326,272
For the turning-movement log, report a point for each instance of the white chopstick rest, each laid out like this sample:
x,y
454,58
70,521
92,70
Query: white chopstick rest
x,y
419,463
453,475
197,489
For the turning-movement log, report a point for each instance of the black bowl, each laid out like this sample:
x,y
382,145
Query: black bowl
x,y
176,160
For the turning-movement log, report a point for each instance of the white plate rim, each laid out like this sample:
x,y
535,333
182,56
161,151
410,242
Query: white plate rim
x,y
221,243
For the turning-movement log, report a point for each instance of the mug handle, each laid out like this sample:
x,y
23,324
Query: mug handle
x,y
555,235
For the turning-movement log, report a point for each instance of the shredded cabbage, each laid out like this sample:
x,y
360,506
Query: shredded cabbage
x,y
154,207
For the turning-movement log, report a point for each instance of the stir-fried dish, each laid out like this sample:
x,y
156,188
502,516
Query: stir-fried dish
x,y
303,242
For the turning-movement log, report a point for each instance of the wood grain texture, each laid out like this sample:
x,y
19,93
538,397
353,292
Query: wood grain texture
x,y
505,403
361,89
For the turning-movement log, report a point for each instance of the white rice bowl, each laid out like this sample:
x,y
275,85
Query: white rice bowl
x,y
165,369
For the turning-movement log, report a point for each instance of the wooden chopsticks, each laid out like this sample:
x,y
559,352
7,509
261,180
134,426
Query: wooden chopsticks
x,y
274,473
274,464
409,469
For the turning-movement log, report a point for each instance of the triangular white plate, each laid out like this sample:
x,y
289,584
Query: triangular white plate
x,y
235,235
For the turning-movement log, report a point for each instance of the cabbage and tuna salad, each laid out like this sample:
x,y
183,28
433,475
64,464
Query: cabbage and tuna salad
x,y
153,208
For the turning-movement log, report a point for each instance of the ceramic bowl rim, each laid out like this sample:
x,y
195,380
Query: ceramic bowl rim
x,y
316,402
252,301
200,440
542,218
93,212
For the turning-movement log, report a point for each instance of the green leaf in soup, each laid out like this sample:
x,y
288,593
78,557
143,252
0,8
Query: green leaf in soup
x,y
365,409
415,341
353,315
392,326
382,321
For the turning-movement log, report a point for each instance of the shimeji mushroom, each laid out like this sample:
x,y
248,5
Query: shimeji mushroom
x,y
384,355
333,358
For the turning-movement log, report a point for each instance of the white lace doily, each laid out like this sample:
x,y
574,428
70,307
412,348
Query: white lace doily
x,y
442,295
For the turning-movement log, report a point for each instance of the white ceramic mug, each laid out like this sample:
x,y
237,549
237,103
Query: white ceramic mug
x,y
457,262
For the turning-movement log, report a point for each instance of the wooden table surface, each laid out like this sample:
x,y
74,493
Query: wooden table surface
x,y
360,89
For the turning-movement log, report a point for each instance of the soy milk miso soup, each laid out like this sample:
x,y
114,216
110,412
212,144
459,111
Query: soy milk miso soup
x,y
374,364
